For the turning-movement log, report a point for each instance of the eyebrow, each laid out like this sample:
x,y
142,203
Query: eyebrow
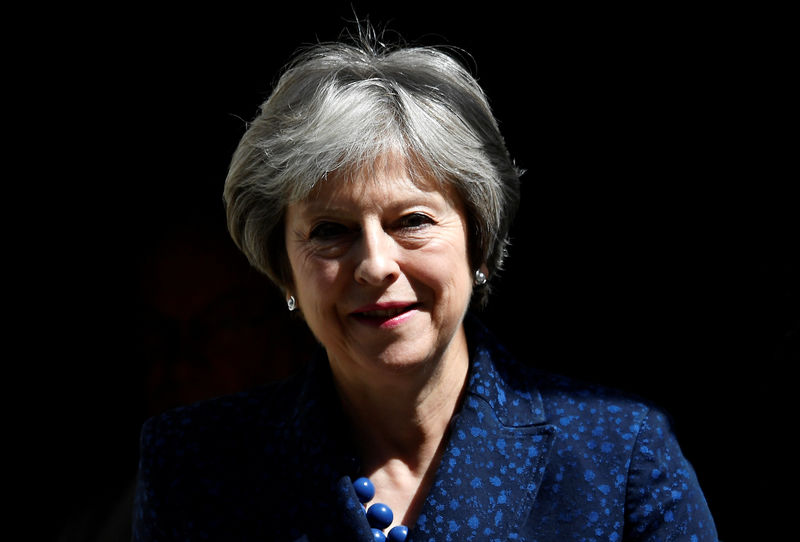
x,y
325,207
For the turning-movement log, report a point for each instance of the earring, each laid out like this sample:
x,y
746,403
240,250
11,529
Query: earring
x,y
291,303
480,278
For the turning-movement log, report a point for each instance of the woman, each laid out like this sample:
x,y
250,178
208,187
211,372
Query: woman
x,y
374,188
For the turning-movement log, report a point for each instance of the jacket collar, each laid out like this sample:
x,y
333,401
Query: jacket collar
x,y
496,377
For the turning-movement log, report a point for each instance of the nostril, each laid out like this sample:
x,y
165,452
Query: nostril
x,y
376,272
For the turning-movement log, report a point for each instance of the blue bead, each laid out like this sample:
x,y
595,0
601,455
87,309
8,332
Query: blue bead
x,y
397,534
377,534
379,515
364,489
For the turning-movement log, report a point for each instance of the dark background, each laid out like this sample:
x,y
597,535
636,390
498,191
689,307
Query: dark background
x,y
653,252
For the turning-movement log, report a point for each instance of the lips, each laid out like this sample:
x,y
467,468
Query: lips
x,y
382,313
387,314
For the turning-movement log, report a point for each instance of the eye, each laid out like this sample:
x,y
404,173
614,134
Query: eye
x,y
327,230
415,220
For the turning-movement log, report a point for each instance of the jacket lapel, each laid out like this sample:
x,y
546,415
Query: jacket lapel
x,y
496,454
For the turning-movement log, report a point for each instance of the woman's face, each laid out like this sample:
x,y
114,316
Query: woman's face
x,y
380,269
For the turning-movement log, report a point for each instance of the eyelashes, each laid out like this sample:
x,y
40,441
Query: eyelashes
x,y
331,231
416,220
328,230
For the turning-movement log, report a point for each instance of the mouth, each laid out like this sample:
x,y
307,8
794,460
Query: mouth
x,y
385,314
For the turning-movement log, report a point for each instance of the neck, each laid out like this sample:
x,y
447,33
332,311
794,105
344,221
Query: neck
x,y
400,421
403,416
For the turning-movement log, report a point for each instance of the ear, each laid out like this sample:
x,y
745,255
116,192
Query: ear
x,y
286,285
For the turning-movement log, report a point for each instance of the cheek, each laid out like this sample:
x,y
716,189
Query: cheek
x,y
443,268
316,278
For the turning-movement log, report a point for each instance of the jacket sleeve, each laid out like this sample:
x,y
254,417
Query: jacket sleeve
x,y
664,501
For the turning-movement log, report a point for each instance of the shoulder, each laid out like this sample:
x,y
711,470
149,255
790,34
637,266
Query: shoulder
x,y
266,407
566,398
582,413
562,398
202,464
189,450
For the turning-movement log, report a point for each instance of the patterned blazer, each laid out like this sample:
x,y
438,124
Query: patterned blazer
x,y
530,456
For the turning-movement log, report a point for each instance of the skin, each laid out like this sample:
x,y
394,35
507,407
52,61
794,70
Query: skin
x,y
401,243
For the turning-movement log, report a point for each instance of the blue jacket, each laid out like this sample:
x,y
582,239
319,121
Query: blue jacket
x,y
530,456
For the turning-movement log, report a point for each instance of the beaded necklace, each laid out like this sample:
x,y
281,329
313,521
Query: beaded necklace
x,y
379,515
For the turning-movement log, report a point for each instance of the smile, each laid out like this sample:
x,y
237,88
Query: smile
x,y
385,314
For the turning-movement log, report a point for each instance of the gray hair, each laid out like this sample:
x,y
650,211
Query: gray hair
x,y
341,107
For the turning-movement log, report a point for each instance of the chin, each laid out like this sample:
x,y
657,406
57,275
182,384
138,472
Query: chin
x,y
404,358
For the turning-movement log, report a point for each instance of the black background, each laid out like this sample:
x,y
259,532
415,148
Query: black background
x,y
653,252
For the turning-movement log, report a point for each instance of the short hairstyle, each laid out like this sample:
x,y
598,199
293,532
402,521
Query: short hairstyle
x,y
340,107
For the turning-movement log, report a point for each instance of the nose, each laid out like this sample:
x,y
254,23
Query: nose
x,y
377,257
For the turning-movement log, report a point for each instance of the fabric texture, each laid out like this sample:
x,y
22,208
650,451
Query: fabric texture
x,y
530,456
